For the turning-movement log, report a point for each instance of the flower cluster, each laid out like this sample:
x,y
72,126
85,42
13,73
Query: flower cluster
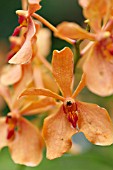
x,y
31,85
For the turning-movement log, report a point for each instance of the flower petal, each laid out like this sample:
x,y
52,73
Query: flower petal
x,y
57,132
33,6
99,72
41,92
23,83
3,132
25,53
62,64
84,3
37,76
39,106
26,148
11,74
80,86
74,31
95,123
44,41
96,13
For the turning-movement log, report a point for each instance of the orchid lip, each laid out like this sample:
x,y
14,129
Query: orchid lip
x,y
70,109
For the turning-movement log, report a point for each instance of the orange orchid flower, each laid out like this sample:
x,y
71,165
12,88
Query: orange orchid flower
x,y
40,50
97,66
23,138
73,116
34,71
24,54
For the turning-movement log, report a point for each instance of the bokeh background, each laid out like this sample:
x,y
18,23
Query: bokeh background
x,y
88,156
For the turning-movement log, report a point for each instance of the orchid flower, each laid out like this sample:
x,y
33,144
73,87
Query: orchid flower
x,y
73,116
35,71
22,137
98,64
24,54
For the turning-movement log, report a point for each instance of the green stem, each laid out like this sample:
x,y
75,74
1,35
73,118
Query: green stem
x,y
77,52
77,47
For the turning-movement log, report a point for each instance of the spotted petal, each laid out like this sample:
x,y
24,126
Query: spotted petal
x,y
26,148
62,64
57,132
95,123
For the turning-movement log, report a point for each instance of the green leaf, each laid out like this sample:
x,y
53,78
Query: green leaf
x,y
99,158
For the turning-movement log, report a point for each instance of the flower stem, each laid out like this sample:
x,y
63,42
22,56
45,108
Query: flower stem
x,y
52,28
77,52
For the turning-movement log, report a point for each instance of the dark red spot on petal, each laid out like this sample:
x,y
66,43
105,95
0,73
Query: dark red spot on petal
x,y
8,118
10,133
72,117
21,19
17,31
111,51
12,123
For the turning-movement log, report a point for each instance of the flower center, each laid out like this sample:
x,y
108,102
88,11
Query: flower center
x,y
70,109
12,126
106,48
69,103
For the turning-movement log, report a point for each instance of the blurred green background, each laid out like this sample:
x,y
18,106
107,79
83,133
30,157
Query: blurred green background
x,y
92,157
